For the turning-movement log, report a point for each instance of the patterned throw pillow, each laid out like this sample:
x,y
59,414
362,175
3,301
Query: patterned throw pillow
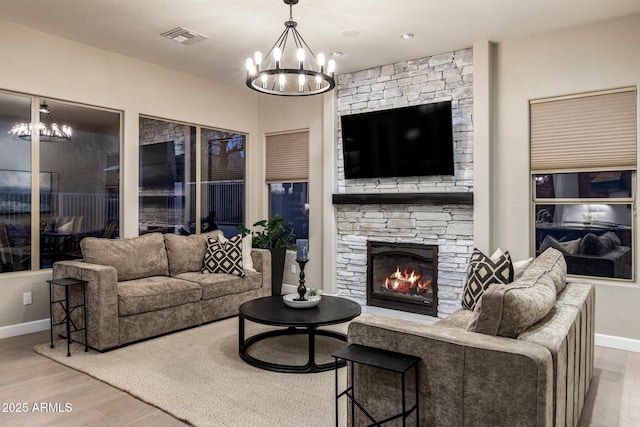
x,y
484,271
224,257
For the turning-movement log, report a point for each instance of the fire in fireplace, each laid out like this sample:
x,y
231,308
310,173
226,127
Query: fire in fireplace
x,y
402,276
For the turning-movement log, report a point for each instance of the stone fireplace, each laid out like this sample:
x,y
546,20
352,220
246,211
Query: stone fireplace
x,y
443,221
429,210
403,276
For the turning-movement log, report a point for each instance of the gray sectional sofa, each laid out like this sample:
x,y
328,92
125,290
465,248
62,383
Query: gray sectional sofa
x,y
151,285
523,357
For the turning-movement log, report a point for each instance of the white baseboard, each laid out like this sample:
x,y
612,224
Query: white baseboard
x,y
619,343
24,328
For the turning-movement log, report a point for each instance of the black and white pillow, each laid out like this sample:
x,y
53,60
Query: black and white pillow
x,y
484,271
224,257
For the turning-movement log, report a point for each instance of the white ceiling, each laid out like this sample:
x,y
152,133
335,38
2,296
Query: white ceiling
x,y
237,28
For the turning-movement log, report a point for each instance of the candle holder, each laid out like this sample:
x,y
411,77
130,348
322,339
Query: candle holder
x,y
302,289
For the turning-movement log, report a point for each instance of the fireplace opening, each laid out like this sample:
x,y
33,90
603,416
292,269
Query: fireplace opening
x,y
402,276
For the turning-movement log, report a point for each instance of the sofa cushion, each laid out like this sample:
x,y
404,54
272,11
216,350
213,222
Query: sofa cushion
x,y
484,271
155,293
224,257
509,310
186,253
592,244
221,284
459,319
568,247
132,258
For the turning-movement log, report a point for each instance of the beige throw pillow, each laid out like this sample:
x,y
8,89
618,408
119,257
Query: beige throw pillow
x,y
509,310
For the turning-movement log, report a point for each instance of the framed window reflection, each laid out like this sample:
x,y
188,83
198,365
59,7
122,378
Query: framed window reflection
x,y
290,200
588,216
583,185
222,187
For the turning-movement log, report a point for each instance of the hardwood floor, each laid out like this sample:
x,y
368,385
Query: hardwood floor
x,y
27,377
613,400
614,393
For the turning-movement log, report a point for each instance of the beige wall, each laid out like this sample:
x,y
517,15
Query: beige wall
x,y
283,114
40,64
576,60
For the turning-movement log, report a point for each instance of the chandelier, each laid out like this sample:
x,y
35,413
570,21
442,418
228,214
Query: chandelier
x,y
293,72
48,128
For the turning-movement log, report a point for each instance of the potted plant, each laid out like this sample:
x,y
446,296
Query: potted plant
x,y
276,235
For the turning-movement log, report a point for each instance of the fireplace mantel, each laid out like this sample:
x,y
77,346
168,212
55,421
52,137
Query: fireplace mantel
x,y
430,198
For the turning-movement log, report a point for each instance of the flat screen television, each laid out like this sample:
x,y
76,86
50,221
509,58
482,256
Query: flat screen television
x,y
408,141
158,165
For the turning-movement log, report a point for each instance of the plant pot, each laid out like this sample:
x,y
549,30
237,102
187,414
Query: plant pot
x,y
277,269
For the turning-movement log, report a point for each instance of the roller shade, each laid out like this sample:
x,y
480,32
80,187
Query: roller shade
x,y
595,131
287,157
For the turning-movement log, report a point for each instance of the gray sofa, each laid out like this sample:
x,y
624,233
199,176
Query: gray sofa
x,y
151,285
523,357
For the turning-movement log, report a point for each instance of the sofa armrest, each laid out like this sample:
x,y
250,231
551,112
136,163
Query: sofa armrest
x,y
262,264
466,378
101,300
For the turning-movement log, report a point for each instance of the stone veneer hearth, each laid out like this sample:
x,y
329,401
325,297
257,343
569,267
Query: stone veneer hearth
x,y
443,77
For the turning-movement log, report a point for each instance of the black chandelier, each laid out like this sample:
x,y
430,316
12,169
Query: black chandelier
x,y
293,72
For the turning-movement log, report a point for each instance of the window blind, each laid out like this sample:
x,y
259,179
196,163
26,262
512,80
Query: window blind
x,y
287,157
595,131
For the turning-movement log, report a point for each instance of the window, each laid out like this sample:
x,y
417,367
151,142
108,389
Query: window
x,y
168,197
583,165
167,173
75,191
223,163
15,186
287,176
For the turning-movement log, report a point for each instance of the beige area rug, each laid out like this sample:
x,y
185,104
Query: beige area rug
x,y
197,376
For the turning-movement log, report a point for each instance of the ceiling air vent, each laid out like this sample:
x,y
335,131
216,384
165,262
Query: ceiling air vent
x,y
184,36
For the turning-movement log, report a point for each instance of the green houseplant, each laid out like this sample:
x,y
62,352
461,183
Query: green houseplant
x,y
276,235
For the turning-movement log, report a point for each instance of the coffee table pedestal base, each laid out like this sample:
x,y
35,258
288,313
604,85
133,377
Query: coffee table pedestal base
x,y
310,367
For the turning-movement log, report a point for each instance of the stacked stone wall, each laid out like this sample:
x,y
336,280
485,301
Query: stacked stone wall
x,y
445,77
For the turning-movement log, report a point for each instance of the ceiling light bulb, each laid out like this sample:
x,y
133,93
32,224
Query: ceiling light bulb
x,y
406,36
331,66
318,82
264,79
301,82
282,79
277,54
300,54
321,60
249,64
257,57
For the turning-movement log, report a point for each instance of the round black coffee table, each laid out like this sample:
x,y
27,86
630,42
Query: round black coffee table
x,y
298,321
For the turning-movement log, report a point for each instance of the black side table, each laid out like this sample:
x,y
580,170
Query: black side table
x,y
382,359
68,309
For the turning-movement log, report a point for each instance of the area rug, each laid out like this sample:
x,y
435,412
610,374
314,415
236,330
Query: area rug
x,y
197,376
